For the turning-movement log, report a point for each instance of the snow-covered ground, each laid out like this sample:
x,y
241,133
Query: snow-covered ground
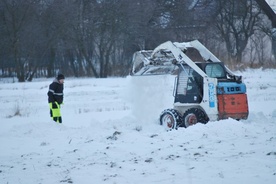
x,y
111,135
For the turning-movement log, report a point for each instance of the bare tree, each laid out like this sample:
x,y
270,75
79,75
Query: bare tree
x,y
237,21
272,16
97,38
17,16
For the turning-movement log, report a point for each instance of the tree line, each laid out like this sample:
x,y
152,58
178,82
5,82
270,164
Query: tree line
x,y
97,38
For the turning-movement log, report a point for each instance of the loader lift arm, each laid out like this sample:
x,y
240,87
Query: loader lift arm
x,y
179,55
162,59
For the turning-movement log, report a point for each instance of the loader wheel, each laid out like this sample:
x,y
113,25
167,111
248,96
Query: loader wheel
x,y
170,119
194,116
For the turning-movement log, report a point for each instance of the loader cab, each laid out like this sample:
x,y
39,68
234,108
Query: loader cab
x,y
189,84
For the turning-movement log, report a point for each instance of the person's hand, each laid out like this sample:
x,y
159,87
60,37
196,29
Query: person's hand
x,y
54,105
51,105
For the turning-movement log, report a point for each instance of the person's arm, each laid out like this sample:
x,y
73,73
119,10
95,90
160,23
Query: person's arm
x,y
52,101
50,93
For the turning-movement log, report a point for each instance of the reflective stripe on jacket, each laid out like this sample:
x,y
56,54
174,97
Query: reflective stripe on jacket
x,y
55,93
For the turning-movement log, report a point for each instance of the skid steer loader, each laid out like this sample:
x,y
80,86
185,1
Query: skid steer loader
x,y
204,90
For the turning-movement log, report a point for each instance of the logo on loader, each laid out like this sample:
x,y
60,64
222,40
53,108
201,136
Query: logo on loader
x,y
211,94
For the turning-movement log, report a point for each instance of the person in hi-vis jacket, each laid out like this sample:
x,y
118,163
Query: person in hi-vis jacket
x,y
55,97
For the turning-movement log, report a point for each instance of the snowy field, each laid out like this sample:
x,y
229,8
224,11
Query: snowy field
x,y
111,135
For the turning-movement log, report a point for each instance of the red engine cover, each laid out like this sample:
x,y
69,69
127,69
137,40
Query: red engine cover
x,y
233,106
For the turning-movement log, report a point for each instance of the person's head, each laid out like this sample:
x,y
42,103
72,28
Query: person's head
x,y
60,78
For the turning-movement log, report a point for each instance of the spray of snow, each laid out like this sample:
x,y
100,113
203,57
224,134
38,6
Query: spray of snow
x,y
150,95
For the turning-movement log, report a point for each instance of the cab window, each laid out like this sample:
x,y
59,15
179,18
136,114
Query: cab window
x,y
215,70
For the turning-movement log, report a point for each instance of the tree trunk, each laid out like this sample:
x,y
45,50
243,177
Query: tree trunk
x,y
50,67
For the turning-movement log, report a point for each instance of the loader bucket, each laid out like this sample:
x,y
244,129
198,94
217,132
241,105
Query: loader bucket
x,y
161,64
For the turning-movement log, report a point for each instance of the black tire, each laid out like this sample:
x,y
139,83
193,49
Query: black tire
x,y
193,116
170,119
